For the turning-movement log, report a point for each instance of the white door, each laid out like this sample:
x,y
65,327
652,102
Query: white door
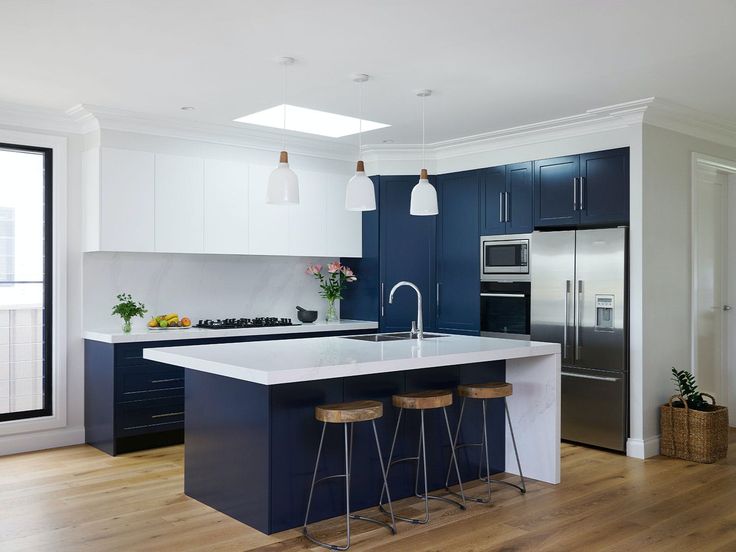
x,y
714,267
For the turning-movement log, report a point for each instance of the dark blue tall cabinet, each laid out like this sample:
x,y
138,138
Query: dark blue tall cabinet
x,y
458,288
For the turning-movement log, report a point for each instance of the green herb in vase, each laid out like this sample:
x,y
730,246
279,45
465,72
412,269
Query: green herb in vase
x,y
127,309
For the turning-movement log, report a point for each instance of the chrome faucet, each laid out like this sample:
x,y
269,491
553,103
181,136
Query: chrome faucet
x,y
417,327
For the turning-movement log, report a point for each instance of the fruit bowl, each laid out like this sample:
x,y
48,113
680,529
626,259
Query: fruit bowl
x,y
169,321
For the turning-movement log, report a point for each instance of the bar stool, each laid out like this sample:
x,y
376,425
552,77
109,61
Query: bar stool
x,y
347,414
421,401
484,392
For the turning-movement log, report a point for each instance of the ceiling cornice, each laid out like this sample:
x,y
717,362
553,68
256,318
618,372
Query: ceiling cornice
x,y
37,118
654,111
93,117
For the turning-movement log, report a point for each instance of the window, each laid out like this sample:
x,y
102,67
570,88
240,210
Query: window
x,y
25,281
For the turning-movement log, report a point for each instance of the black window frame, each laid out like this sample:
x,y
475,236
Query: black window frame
x,y
48,250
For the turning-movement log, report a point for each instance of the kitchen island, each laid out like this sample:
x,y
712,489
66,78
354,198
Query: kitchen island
x,y
251,437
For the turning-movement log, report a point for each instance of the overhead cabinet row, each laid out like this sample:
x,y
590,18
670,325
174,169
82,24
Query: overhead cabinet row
x,y
150,202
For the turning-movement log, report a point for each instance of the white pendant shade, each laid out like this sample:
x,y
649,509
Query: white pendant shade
x,y
283,184
360,194
423,197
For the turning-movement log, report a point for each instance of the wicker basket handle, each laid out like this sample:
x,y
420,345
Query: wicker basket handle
x,y
682,400
712,399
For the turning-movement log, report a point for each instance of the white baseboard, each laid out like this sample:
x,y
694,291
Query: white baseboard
x,y
642,448
40,440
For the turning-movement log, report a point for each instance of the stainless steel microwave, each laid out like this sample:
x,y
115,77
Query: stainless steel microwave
x,y
504,256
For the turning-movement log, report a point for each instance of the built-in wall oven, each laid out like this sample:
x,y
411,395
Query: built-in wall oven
x,y
505,287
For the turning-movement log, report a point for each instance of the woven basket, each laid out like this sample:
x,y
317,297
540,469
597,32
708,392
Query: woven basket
x,y
695,435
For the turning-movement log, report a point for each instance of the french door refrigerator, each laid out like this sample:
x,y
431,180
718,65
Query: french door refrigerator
x,y
579,300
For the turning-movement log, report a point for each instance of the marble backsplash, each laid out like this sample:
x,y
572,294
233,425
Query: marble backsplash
x,y
198,286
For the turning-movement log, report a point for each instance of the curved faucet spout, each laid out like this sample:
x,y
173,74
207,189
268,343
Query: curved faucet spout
x,y
420,325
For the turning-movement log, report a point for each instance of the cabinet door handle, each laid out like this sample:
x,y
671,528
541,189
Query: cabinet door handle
x,y
500,207
585,376
581,181
167,415
438,297
506,206
575,194
381,299
167,380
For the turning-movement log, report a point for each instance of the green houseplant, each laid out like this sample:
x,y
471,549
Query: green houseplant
x,y
127,309
692,428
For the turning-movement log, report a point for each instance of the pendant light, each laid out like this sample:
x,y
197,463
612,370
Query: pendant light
x,y
283,184
423,195
360,194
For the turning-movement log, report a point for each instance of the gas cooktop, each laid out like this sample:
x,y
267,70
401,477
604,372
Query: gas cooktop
x,y
237,323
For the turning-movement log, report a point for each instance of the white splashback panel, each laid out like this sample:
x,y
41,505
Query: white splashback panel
x,y
199,286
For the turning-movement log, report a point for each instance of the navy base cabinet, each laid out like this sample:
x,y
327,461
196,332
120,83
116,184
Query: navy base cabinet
x,y
250,448
131,403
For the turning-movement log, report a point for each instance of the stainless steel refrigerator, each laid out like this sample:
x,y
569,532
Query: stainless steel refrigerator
x,y
579,300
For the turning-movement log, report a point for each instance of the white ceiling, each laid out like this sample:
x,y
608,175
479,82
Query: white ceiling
x,y
493,64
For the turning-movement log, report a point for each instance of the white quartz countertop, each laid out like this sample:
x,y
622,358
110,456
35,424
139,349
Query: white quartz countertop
x,y
198,333
296,360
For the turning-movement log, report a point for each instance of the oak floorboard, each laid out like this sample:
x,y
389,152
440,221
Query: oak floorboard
x,y
78,499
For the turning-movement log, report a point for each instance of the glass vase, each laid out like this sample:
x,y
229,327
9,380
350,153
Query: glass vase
x,y
331,315
127,326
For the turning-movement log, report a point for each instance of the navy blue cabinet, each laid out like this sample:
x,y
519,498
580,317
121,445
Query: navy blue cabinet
x,y
591,189
506,199
458,263
492,195
604,187
407,252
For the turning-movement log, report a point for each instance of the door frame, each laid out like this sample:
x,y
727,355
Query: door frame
x,y
728,166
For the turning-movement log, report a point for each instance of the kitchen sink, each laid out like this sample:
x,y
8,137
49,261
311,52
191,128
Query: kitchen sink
x,y
399,336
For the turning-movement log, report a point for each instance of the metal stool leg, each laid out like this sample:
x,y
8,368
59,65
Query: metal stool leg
x,y
522,487
390,461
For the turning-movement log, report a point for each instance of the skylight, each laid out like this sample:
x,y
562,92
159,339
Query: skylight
x,y
311,121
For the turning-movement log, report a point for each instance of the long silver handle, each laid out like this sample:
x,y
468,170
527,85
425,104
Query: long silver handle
x,y
581,181
584,376
500,207
502,295
437,292
567,318
381,299
166,380
575,194
506,206
167,415
578,320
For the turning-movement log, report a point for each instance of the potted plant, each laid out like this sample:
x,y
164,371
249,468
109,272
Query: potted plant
x,y
332,284
692,428
127,309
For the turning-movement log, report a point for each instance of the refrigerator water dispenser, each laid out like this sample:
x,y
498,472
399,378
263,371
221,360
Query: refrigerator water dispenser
x,y
604,312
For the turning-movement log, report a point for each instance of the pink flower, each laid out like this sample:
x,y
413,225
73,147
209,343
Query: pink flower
x,y
333,267
346,271
314,269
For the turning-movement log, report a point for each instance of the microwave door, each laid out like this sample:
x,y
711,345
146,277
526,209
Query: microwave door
x,y
552,298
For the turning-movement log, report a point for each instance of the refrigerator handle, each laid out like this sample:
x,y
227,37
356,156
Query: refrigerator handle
x,y
578,347
567,319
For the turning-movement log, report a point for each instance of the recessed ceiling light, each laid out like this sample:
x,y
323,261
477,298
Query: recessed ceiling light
x,y
311,121
388,141
186,108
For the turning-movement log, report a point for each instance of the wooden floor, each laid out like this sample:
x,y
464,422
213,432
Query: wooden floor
x,y
79,499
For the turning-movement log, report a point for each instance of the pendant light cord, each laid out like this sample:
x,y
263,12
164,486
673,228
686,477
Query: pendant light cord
x,y
283,89
424,97
360,120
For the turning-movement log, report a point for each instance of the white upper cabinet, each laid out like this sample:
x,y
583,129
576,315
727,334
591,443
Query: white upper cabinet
x,y
344,228
151,202
179,204
269,224
308,221
226,214
119,190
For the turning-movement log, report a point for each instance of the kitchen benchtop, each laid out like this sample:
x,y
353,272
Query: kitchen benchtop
x,y
143,335
296,360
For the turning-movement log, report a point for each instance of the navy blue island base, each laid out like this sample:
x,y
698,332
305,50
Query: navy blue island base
x,y
250,448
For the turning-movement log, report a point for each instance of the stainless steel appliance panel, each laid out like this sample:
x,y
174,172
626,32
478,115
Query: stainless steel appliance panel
x,y
552,279
505,309
600,301
594,407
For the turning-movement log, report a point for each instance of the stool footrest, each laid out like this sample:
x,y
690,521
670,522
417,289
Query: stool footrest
x,y
405,459
323,479
521,488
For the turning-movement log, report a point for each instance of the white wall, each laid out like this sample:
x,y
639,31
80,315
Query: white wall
x,y
198,286
667,261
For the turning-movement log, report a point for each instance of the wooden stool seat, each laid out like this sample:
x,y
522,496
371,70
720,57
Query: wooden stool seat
x,y
423,400
491,390
349,412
